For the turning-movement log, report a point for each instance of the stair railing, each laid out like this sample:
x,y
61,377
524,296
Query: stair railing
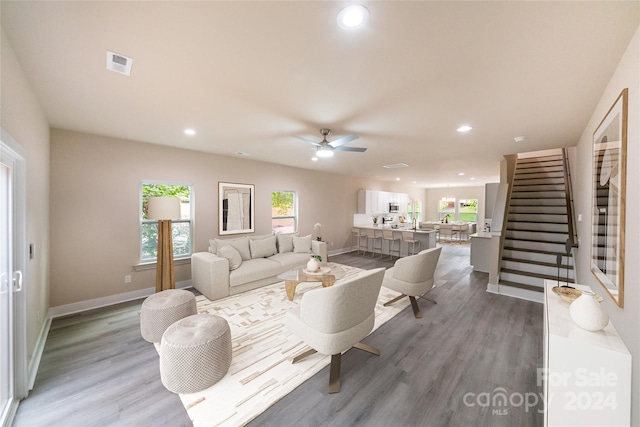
x,y
573,236
512,165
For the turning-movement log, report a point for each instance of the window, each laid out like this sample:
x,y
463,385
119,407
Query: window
x,y
468,210
447,209
182,229
284,212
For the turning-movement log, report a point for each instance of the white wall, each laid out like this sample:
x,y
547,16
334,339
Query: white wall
x,y
627,319
22,117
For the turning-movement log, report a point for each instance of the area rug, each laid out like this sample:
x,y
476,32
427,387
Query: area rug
x,y
261,371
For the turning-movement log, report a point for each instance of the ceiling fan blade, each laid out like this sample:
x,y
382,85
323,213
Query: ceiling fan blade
x,y
356,149
310,141
338,142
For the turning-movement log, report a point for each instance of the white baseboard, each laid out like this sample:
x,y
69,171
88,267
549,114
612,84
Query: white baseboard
x,y
78,307
34,363
339,251
516,293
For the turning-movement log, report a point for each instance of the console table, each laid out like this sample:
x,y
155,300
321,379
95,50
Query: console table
x,y
587,375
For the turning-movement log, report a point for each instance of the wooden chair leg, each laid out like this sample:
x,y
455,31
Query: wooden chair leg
x,y
416,309
393,300
334,373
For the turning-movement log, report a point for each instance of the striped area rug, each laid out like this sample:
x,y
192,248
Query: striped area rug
x,y
261,371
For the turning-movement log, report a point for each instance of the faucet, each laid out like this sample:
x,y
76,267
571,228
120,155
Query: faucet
x,y
415,222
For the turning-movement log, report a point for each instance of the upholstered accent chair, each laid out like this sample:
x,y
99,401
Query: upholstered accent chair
x,y
413,277
332,320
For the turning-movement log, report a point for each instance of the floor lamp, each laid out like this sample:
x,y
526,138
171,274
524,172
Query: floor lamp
x,y
164,209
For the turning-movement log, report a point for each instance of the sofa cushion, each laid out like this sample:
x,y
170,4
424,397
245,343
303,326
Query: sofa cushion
x,y
261,248
285,242
302,244
254,269
232,254
241,244
291,260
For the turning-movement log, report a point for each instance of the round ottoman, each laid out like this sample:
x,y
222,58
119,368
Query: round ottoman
x,y
161,310
195,353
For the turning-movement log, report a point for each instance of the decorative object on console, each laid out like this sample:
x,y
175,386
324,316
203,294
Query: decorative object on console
x,y
235,208
587,313
317,230
608,195
164,209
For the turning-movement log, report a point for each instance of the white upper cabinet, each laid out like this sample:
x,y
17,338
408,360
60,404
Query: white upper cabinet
x,y
377,202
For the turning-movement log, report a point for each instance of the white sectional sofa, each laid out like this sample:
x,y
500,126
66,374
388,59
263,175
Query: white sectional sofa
x,y
240,264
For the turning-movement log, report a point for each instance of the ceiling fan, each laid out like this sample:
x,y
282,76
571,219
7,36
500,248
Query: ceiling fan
x,y
325,148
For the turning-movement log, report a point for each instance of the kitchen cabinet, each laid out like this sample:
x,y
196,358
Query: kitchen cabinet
x,y
377,202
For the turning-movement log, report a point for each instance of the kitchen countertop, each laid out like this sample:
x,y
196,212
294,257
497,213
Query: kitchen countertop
x,y
482,234
406,227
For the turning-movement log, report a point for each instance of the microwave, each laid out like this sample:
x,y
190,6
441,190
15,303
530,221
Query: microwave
x,y
394,207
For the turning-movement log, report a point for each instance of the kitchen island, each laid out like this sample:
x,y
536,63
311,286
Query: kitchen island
x,y
427,238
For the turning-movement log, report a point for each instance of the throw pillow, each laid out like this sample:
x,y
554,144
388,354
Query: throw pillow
x,y
231,254
212,246
302,244
261,248
240,244
285,242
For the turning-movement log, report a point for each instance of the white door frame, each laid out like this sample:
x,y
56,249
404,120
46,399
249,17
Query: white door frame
x,y
14,153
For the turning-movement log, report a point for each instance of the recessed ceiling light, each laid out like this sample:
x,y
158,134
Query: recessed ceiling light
x,y
415,182
398,179
461,173
471,178
352,17
464,128
189,132
314,159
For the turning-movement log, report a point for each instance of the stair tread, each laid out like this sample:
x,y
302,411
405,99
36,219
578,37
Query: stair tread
x,y
521,286
535,241
538,251
530,274
539,231
545,264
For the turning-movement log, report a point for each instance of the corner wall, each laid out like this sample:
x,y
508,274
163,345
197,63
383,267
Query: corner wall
x,y
626,320
22,117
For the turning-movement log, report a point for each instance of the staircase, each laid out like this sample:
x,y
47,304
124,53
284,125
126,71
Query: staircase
x,y
537,228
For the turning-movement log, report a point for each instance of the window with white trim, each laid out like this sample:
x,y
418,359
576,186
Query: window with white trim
x,y
284,211
181,229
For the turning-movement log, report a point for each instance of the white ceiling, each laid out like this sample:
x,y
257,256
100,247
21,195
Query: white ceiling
x,y
249,76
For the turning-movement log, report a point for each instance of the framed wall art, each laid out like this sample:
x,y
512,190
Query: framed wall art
x,y
235,208
608,196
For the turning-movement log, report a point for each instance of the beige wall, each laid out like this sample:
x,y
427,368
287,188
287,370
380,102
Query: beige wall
x,y
434,195
95,186
627,319
23,119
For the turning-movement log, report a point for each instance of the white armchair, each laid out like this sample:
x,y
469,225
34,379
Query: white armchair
x,y
413,277
332,320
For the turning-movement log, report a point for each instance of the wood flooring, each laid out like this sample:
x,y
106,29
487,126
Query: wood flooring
x,y
447,369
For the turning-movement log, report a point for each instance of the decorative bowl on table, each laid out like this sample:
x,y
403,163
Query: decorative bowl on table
x,y
569,295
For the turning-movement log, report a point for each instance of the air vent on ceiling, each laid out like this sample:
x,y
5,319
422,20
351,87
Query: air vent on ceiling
x,y
396,166
119,63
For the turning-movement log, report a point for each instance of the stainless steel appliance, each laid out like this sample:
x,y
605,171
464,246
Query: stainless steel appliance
x,y
394,207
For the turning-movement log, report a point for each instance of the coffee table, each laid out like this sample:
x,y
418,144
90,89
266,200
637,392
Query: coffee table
x,y
293,278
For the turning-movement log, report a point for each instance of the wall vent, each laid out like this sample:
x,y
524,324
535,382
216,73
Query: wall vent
x,y
119,63
396,166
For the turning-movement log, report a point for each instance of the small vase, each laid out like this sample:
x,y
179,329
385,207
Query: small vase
x,y
587,313
313,265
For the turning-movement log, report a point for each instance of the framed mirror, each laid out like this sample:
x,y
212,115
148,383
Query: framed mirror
x,y
235,208
608,196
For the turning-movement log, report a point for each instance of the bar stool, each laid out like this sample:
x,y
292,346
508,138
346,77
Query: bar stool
x,y
409,237
356,234
375,236
388,236
363,238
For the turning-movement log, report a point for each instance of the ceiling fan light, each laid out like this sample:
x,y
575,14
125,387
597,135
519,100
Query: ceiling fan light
x,y
353,16
324,152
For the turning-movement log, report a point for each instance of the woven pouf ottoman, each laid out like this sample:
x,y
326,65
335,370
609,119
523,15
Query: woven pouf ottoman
x,y
161,310
195,353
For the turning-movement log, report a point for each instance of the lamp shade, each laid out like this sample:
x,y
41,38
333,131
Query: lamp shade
x,y
160,208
